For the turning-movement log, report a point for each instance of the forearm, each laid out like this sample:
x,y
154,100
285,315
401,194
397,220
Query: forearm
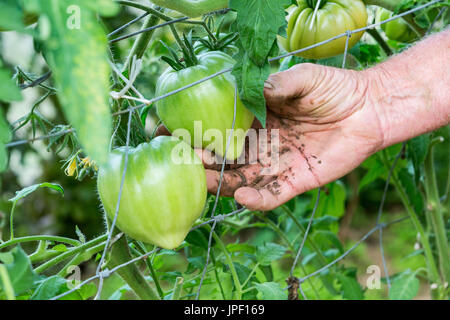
x,y
411,91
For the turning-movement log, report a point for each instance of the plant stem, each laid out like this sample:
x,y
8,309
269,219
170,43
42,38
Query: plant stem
x,y
213,259
434,210
378,38
431,265
281,234
69,253
177,288
130,273
82,257
234,275
149,264
251,274
141,43
39,238
11,221
299,225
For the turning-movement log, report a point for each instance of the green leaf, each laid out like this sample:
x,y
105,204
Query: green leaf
x,y
271,291
414,195
404,287
417,151
258,23
250,79
243,272
75,48
56,285
377,170
269,252
8,89
19,270
328,239
26,191
49,288
332,200
351,289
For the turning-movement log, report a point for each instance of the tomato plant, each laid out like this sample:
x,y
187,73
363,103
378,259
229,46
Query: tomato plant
x,y
333,18
162,195
397,29
209,104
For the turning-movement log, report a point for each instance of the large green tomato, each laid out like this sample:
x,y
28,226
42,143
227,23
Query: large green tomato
x,y
205,111
333,18
163,194
397,29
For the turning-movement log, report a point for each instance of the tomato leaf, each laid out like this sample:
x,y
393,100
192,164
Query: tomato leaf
x,y
75,48
412,192
28,190
351,289
19,270
250,80
404,287
417,150
376,170
332,200
258,23
271,291
56,285
269,252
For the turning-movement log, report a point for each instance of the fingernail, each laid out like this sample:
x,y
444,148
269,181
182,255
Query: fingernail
x,y
268,85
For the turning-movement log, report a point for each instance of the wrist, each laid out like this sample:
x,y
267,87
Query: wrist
x,y
402,103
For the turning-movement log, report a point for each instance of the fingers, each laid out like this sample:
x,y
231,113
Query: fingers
x,y
249,175
267,198
282,89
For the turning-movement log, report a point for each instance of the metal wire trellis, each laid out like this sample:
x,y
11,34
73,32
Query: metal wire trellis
x,y
102,274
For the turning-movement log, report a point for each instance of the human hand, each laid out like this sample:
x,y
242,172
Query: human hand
x,y
327,127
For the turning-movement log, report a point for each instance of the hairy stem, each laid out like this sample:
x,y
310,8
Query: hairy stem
x,y
120,254
431,265
69,253
39,238
435,213
141,44
378,38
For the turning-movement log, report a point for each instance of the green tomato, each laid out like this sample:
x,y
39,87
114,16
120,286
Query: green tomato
x,y
205,111
333,18
397,29
193,8
164,191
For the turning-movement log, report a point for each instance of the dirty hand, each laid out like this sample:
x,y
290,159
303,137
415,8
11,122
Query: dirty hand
x,y
327,127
